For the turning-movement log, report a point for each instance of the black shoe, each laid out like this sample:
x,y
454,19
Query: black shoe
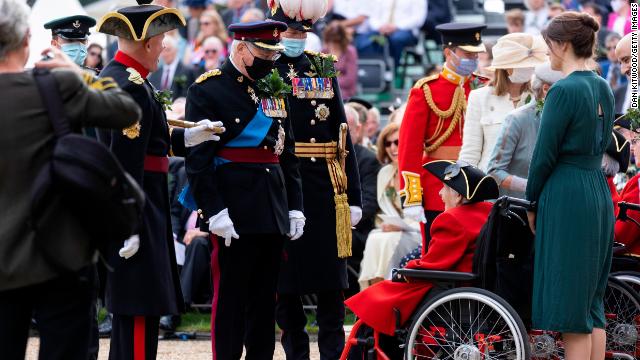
x,y
104,328
169,322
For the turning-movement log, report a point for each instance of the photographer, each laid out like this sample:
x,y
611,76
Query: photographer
x,y
29,284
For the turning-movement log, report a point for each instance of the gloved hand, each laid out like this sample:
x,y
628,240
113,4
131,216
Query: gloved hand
x,y
415,212
221,225
201,133
131,246
296,224
356,215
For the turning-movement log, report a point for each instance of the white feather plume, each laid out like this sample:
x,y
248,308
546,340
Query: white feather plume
x,y
304,9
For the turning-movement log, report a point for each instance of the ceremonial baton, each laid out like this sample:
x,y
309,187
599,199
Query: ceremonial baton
x,y
188,124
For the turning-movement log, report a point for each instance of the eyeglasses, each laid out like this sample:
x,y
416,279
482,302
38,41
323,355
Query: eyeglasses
x,y
389,143
211,51
275,56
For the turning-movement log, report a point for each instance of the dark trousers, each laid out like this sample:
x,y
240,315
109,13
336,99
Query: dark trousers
x,y
244,295
195,277
62,310
134,337
94,336
330,317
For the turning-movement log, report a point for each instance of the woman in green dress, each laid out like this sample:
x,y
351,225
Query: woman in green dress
x,y
574,219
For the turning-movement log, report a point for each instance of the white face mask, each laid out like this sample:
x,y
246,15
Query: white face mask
x,y
617,5
521,75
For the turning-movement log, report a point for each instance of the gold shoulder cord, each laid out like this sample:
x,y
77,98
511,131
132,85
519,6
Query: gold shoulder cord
x,y
457,109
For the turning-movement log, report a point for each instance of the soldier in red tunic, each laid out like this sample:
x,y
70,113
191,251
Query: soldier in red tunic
x,y
432,125
453,238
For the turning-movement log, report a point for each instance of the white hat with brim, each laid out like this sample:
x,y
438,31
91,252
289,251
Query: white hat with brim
x,y
518,50
548,75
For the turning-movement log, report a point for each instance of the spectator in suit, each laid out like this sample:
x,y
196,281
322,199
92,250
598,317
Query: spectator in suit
x,y
398,22
195,9
515,21
235,10
620,19
536,16
598,13
368,166
172,74
338,43
213,50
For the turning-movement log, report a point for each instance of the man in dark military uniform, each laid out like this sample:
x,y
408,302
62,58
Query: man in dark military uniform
x,y
145,286
70,35
247,189
317,264
433,121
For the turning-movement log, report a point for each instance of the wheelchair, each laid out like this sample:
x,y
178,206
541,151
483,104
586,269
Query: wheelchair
x,y
486,314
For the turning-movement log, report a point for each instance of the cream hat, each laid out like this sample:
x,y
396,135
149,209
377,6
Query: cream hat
x,y
518,50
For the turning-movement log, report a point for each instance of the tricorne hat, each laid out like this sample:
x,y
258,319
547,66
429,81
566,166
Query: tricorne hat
x,y
75,27
263,34
298,14
469,181
620,149
467,37
518,50
141,22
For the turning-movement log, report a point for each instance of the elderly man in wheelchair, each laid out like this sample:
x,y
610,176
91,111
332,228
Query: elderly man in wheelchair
x,y
385,308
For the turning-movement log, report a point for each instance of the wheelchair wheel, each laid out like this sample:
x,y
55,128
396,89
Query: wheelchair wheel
x,y
622,310
469,324
630,278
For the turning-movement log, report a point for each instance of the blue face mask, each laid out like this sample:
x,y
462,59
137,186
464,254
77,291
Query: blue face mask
x,y
466,67
76,51
293,47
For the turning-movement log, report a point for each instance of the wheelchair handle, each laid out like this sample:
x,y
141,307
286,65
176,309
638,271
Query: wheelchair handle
x,y
628,206
622,214
506,201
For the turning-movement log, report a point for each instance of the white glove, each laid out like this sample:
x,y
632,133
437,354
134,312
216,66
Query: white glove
x,y
415,212
131,246
356,215
203,131
296,224
221,225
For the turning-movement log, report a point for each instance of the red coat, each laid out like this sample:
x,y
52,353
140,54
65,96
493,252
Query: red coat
x,y
453,240
420,123
627,232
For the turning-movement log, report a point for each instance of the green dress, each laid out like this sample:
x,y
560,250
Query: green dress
x,y
574,226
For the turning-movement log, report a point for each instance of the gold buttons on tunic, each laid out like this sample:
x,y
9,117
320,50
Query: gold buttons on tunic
x,y
267,169
313,122
237,121
313,103
313,140
266,147
313,159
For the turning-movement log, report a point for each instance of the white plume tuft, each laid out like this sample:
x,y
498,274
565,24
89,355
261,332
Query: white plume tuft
x,y
304,9
291,8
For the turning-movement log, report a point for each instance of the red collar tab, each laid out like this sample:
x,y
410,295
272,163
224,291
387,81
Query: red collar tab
x,y
128,61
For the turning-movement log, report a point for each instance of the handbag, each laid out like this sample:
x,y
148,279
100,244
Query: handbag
x,y
89,178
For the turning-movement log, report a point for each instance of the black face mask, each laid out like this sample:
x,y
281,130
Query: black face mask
x,y
260,67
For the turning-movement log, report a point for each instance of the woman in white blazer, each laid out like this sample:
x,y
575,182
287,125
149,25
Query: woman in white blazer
x,y
514,57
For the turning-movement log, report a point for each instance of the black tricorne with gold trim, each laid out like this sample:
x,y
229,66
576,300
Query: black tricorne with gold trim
x,y
140,22
330,181
469,181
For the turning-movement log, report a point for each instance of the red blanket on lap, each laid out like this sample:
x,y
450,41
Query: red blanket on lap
x,y
453,238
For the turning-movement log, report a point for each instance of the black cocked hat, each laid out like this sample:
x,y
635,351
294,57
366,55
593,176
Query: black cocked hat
x,y
140,22
469,181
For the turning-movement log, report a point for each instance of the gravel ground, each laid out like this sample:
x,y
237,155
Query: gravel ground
x,y
171,350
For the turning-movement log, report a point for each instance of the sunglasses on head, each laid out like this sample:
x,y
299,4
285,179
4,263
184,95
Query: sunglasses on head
x,y
388,143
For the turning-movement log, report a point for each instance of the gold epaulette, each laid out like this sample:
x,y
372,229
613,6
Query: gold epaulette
x,y
134,76
420,83
96,83
412,191
208,74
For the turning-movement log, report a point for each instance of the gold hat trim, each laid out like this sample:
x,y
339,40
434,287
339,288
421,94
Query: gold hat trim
x,y
618,146
466,179
117,15
277,47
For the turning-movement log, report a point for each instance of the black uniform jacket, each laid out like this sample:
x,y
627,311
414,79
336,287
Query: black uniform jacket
x,y
257,194
148,282
311,263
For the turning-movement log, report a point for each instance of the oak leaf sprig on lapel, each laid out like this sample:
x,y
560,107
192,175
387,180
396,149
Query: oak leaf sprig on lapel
x,y
164,97
273,86
322,66
633,115
539,106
